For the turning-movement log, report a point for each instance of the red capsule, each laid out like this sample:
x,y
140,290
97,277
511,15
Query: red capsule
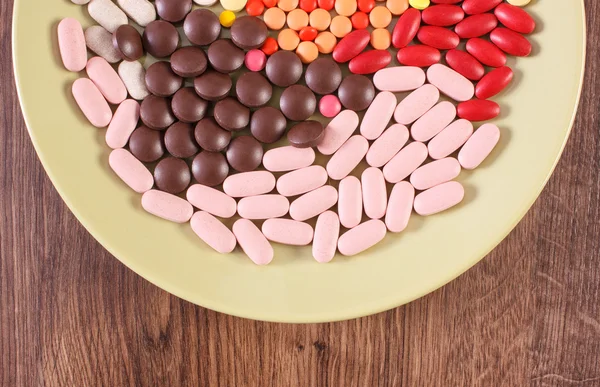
x,y
351,45
418,55
511,42
473,7
438,37
443,15
308,5
478,110
486,52
493,82
465,64
308,33
515,18
327,5
476,25
369,62
366,5
407,27
445,1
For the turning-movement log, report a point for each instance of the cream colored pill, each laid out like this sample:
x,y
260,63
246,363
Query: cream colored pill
x,y
80,2
450,82
399,78
263,206
405,162
167,206
313,203
350,201
249,184
206,3
347,157
433,122
378,115
91,102
211,200
253,242
416,104
338,131
106,79
71,42
233,5
374,192
327,231
435,173
100,41
439,198
479,146
362,237
213,232
302,180
141,11
130,170
107,14
288,158
450,139
133,76
288,232
519,3
400,206
387,145
123,123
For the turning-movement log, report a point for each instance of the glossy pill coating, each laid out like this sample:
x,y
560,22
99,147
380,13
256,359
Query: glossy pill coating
x,y
351,45
381,39
438,37
253,242
486,52
511,42
211,200
387,145
71,41
308,34
233,5
350,202
343,162
476,25
327,5
226,18
418,55
330,106
123,123
479,146
106,79
435,173
338,131
439,198
519,3
133,76
465,64
369,62
308,5
249,184
130,170
450,82
443,15
406,28
100,41
419,4
416,104
128,42
167,206
493,82
478,110
302,180
255,7
450,139
213,232
288,232
432,122
146,144
270,46
359,20
210,168
405,162
91,102
288,158
515,18
399,78
140,11
340,26
472,7
327,231
378,115
400,207
107,14
374,192
313,203
362,237
263,206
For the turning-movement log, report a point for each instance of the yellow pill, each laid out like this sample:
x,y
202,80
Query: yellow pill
x,y
519,3
419,4
381,39
320,19
340,26
287,5
325,42
380,17
307,52
397,7
274,18
297,19
288,39
227,18
345,7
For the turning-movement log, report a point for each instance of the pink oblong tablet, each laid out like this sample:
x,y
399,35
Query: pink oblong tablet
x,y
106,79
338,131
347,157
450,82
213,232
362,237
263,206
350,202
327,232
400,206
416,104
374,193
479,146
131,170
378,115
387,145
434,173
91,102
288,232
450,139
288,158
249,184
313,203
433,122
167,206
405,162
302,180
211,200
71,43
123,123
399,78
253,242
439,198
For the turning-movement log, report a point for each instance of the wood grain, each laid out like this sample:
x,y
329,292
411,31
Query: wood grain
x,y
527,315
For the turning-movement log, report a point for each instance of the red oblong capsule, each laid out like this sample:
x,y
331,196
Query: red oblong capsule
x,y
464,63
369,62
486,52
476,25
438,37
418,55
493,82
351,45
515,18
473,7
478,110
511,42
443,15
407,27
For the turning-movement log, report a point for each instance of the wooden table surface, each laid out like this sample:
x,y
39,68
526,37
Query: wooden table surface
x,y
528,314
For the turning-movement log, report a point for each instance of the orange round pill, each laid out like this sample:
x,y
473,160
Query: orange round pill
x,y
308,5
345,7
360,20
274,18
287,5
319,19
297,19
269,3
366,5
397,7
327,5
325,42
340,26
380,17
288,39
270,46
307,52
381,39
255,7
308,33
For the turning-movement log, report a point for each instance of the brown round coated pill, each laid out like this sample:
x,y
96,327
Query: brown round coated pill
x,y
202,27
284,68
323,76
146,144
380,17
345,7
173,10
156,113
274,18
381,39
287,5
128,42
224,56
231,115
298,102
213,86
325,42
172,175
161,80
210,168
268,124
244,153
188,106
288,39
210,136
306,134
248,32
160,38
307,51
297,19
179,140
189,62
340,26
253,89
319,19
356,92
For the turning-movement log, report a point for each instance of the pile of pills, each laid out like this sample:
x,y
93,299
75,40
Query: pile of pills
x,y
194,145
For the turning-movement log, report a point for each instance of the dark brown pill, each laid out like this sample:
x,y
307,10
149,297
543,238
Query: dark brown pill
x,y
306,134
189,62
179,140
231,115
210,168
284,68
188,106
244,153
356,92
128,42
156,113
160,38
172,175
173,10
210,136
298,102
323,76
202,27
248,32
224,56
253,90
146,144
161,80
213,86
268,124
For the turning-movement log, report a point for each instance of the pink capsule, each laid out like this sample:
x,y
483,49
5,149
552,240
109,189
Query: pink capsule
x,y
288,232
167,206
288,158
91,102
71,42
338,131
416,104
439,198
387,145
131,170
362,237
433,122
399,78
211,200
249,184
313,203
450,82
253,242
450,139
123,123
378,115
263,206
106,79
479,146
302,180
350,202
213,232
434,173
405,162
400,206
327,231
374,193
347,157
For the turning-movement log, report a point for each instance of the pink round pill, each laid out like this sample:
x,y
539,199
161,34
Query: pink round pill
x,y
330,106
255,60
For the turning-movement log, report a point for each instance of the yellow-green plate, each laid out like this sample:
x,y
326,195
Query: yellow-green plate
x,y
537,114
